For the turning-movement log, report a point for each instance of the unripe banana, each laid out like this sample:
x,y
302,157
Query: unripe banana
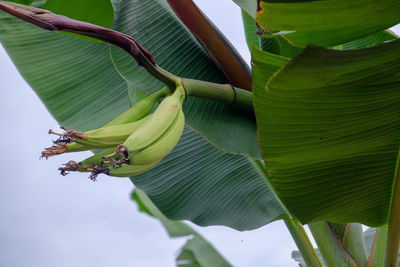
x,y
140,109
109,136
103,137
97,158
75,147
162,118
94,166
135,113
130,170
162,146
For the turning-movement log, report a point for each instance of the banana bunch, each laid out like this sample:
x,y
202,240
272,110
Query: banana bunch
x,y
133,142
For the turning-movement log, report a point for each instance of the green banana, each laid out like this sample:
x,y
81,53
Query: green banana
x,y
75,147
148,140
95,166
135,113
130,170
162,118
104,137
140,109
95,170
96,159
162,146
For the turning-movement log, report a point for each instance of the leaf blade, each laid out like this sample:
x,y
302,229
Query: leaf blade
x,y
197,182
327,135
63,70
326,23
99,12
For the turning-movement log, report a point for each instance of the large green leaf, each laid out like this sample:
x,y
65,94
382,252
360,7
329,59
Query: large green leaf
x,y
278,45
154,25
74,78
329,131
197,251
199,183
329,22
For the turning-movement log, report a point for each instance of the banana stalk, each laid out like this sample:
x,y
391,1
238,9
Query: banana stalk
x,y
105,137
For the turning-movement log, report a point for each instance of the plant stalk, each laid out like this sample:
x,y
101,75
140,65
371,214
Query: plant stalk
x,y
377,254
302,241
332,249
393,236
354,243
225,93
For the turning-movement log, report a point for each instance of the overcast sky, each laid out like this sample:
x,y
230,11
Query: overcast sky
x,y
50,220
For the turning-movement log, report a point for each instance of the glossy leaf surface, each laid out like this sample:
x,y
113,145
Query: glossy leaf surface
x,y
74,78
196,182
329,131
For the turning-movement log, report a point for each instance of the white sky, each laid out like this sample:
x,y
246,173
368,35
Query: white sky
x,y
50,220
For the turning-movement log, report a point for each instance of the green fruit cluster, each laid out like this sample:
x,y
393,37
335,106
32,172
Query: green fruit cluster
x,y
133,142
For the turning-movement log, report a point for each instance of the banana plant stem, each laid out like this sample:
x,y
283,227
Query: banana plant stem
x,y
302,241
353,241
377,254
331,249
225,93
393,237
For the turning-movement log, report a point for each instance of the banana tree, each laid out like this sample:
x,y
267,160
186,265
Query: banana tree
x,y
308,135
